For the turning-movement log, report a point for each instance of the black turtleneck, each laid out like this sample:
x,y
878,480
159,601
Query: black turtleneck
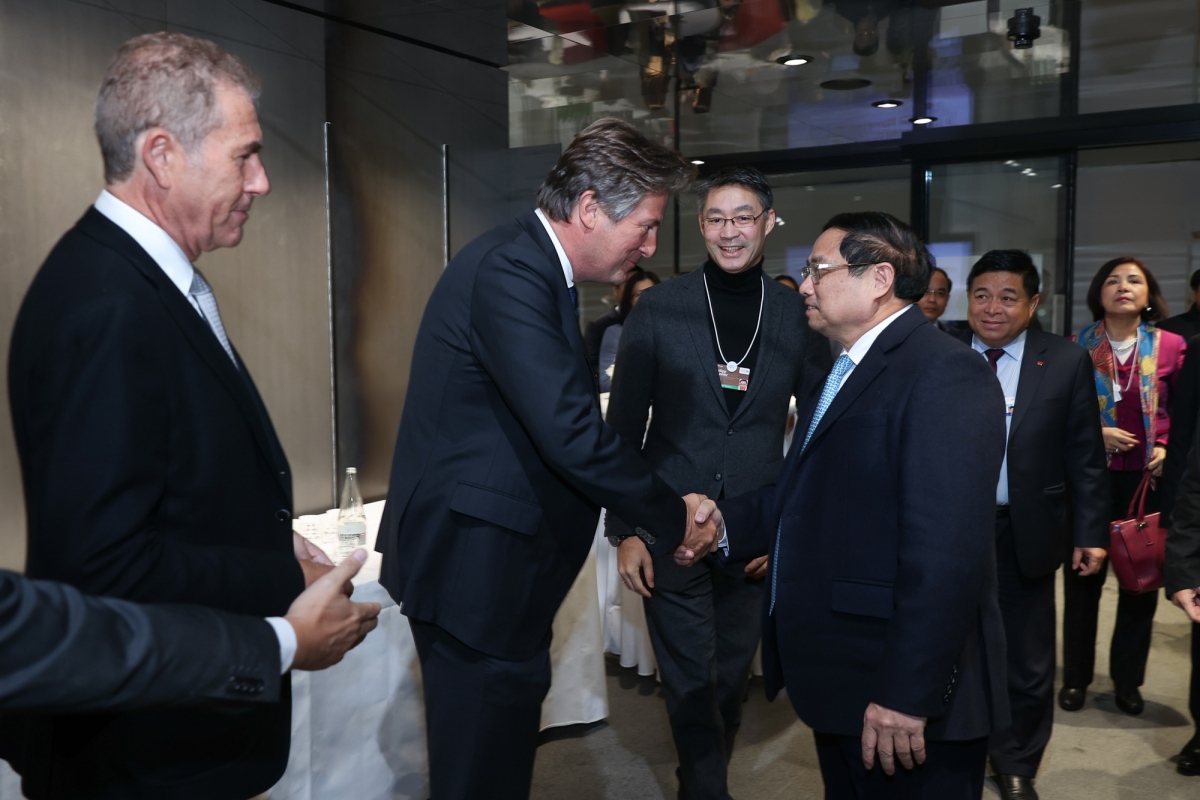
x,y
736,299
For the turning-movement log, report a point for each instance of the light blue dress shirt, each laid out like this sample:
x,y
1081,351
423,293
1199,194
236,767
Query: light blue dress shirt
x,y
1008,372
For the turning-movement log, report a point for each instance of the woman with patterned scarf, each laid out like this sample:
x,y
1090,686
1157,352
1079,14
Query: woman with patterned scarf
x,y
1135,365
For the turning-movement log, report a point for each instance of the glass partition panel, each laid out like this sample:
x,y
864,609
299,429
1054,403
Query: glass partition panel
x,y
997,205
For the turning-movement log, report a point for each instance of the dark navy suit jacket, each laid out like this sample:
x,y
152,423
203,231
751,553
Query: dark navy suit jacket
x,y
886,572
503,461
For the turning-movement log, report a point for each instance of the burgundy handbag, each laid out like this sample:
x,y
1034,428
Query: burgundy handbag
x,y
1138,545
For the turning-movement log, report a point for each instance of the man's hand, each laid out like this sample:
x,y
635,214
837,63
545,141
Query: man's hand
x,y
704,530
307,551
1088,560
327,624
895,736
314,572
757,568
1189,601
635,565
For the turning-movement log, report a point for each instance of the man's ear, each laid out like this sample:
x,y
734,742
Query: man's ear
x,y
159,151
588,210
885,278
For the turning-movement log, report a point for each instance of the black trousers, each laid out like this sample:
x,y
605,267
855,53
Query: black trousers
x,y
482,715
1027,607
1194,686
705,624
1081,606
952,771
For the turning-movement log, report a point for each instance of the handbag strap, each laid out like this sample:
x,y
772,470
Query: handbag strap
x,y
1137,503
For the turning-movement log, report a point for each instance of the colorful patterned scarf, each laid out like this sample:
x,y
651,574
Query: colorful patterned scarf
x,y
1094,338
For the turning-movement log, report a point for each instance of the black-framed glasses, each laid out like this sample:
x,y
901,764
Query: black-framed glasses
x,y
740,221
814,270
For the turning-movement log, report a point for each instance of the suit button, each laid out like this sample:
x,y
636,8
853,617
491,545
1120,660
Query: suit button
x,y
729,432
283,515
717,477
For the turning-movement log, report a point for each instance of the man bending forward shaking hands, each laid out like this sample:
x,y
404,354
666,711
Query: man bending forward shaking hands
x,y
503,461
881,615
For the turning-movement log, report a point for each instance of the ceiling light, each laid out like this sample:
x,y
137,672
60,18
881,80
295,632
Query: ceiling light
x,y
1023,28
779,221
1011,163
888,103
697,161
1027,170
922,120
1056,186
1031,174
794,60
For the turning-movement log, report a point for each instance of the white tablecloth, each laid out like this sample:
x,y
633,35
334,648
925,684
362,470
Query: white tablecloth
x,y
358,728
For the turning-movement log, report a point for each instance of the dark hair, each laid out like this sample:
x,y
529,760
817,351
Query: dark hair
x,y
1158,304
873,237
1017,262
1195,281
635,277
946,275
788,279
747,178
619,163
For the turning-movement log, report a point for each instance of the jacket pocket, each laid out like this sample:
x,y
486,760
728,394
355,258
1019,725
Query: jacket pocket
x,y
497,508
864,599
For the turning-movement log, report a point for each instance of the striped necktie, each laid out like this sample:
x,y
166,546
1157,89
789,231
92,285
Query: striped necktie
x,y
208,309
832,384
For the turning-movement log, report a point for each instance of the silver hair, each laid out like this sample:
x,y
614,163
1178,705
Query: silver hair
x,y
619,163
163,80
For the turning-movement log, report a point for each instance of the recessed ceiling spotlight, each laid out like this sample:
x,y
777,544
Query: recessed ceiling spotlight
x,y
1031,174
779,221
1056,186
888,103
697,161
1011,163
1027,171
922,120
794,60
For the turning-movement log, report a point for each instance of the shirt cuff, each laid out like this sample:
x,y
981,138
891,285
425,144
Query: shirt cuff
x,y
723,542
287,642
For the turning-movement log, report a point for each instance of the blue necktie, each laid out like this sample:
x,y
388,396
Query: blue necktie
x,y
208,309
832,384
574,299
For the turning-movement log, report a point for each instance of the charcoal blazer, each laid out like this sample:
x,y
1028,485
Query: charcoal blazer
x,y
136,655
151,473
503,462
886,577
1057,475
667,358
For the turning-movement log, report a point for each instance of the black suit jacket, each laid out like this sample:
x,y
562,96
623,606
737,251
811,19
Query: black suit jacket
x,y
503,461
1179,489
1056,462
886,581
135,655
151,473
667,360
1186,324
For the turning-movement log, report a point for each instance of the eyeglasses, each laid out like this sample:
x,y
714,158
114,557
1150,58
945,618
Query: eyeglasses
x,y
938,293
814,270
740,221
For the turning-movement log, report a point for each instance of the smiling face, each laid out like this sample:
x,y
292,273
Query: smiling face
x,y
731,248
212,189
1124,292
999,309
613,249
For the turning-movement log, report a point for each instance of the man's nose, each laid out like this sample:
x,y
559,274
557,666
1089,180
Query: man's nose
x,y
257,182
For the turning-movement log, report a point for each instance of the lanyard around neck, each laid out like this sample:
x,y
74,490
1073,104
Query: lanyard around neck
x,y
733,365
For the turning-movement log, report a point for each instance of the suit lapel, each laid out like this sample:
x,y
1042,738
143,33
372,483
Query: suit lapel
x,y
556,277
699,324
199,335
772,313
1032,370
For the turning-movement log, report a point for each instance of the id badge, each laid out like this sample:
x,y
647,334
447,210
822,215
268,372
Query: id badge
x,y
1009,404
734,377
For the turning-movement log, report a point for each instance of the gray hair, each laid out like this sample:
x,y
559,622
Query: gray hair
x,y
163,80
619,163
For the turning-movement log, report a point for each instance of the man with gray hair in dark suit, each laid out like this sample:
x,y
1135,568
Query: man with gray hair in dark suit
x,y
718,353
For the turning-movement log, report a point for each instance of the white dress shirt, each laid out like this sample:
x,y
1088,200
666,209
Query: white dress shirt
x,y
1008,372
568,270
174,263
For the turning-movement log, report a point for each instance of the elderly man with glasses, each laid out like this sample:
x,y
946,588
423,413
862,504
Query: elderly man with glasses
x,y
880,612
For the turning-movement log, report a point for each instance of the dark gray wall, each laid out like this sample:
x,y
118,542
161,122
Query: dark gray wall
x,y
392,106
